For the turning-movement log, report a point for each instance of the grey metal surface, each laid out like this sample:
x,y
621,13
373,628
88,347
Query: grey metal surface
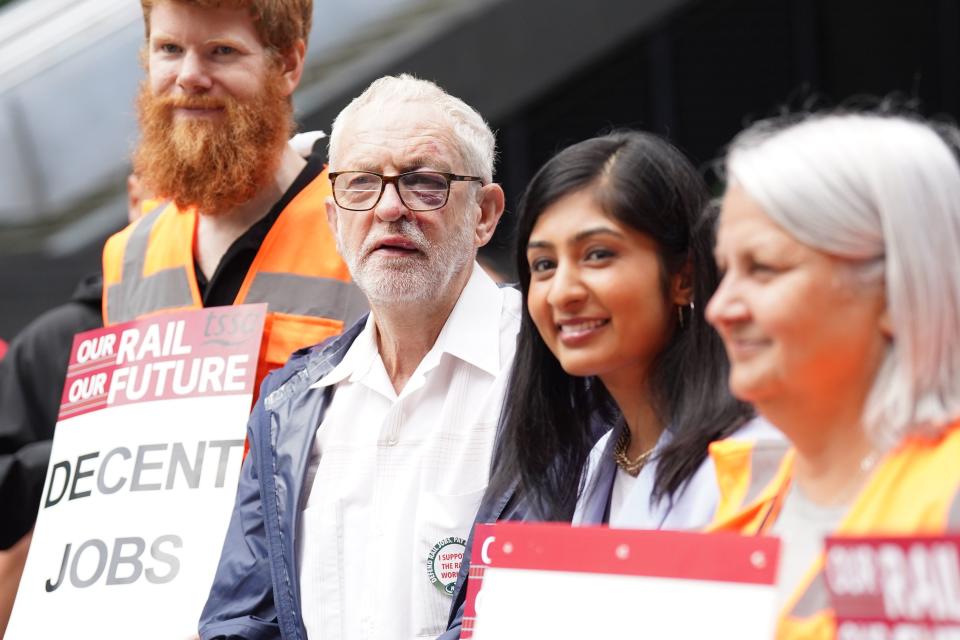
x,y
498,55
69,71
67,119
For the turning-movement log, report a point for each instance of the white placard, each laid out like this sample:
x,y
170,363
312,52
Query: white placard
x,y
142,478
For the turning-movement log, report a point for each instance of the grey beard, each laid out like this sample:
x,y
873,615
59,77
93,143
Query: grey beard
x,y
423,278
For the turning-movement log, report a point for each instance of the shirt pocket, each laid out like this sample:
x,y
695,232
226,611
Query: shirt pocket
x,y
320,569
442,524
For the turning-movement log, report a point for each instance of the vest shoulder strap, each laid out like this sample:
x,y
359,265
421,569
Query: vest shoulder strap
x,y
151,278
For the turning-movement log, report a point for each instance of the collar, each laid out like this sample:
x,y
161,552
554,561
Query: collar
x,y
308,365
471,332
358,359
466,335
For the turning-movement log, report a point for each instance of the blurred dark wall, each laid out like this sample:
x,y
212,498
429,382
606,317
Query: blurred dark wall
x,y
718,64
696,77
32,283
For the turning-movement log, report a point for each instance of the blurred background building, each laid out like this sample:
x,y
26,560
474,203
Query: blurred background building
x,y
545,73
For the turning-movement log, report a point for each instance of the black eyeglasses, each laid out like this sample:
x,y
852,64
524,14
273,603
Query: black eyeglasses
x,y
418,190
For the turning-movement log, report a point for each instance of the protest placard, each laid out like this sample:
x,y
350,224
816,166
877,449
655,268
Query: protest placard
x,y
561,582
483,535
894,588
143,472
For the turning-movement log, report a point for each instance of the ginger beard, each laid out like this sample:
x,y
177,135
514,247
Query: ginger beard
x,y
214,164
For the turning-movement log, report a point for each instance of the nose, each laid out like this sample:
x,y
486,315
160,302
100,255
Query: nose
x,y
567,289
390,207
193,76
726,306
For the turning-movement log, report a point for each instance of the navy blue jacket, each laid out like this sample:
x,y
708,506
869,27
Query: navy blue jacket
x,y
256,591
508,505
505,506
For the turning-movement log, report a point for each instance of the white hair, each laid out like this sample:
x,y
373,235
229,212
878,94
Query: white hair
x,y
884,192
475,139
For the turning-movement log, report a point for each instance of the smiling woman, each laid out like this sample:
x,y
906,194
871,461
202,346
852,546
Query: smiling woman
x,y
614,242
839,308
615,267
587,273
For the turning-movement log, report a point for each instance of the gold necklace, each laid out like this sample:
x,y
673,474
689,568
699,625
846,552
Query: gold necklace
x,y
632,467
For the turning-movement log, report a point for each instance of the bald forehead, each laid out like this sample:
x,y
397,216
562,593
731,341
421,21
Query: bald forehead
x,y
404,136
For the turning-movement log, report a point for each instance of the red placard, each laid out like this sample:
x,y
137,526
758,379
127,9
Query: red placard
x,y
483,537
558,581
143,472
180,355
894,587
723,557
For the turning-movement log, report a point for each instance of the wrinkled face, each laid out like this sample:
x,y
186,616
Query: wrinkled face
x,y
797,323
396,255
596,291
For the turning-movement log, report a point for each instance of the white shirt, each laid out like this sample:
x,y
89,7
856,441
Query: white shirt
x,y
623,484
397,476
692,507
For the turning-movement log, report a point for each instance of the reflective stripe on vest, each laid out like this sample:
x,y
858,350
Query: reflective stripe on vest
x,y
136,295
316,297
747,472
815,599
953,515
765,461
296,270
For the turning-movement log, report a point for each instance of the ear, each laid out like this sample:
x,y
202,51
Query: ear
x,y
681,285
291,66
331,208
491,201
135,197
886,324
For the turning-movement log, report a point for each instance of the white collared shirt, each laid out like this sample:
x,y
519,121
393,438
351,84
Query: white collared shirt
x,y
397,476
692,507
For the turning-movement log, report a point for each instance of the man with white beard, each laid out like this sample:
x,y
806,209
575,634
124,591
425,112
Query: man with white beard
x,y
369,453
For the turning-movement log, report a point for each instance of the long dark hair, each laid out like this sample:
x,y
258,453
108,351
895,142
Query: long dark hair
x,y
549,418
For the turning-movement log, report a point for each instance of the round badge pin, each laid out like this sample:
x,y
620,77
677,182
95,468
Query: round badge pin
x,y
443,563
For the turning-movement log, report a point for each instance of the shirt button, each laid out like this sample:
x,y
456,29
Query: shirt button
x,y
392,442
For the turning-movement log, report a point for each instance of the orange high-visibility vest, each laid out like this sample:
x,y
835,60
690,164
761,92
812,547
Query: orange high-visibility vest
x,y
915,490
148,268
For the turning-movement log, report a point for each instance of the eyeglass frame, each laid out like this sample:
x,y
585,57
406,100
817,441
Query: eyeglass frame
x,y
394,180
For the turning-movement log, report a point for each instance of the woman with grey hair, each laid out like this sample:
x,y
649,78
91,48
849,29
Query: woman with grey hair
x,y
840,312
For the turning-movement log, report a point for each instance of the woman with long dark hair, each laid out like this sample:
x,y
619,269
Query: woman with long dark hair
x,y
614,255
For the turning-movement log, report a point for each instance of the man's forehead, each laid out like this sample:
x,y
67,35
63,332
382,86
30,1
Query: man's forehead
x,y
225,16
409,136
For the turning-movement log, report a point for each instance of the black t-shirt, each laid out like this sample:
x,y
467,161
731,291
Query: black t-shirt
x,y
222,287
33,372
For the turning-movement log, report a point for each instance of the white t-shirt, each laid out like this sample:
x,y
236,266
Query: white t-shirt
x,y
623,485
801,526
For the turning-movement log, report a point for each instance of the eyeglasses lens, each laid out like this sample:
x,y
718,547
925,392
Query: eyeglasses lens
x,y
422,191
419,190
357,190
